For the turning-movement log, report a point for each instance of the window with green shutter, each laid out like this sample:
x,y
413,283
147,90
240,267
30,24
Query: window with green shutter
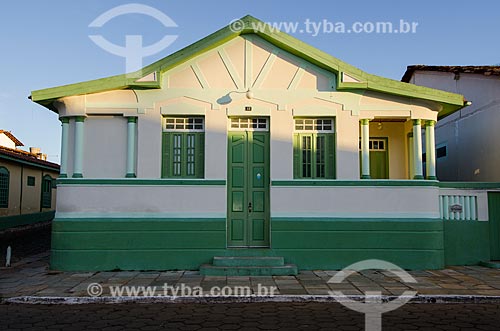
x,y
47,192
314,148
4,187
183,147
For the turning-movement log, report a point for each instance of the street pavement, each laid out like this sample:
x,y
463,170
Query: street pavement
x,y
31,277
465,298
242,316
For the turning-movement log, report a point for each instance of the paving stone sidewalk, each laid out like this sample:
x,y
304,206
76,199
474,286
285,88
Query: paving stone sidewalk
x,y
32,277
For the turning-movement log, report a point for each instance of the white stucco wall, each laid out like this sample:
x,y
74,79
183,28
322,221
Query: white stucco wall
x,y
141,201
6,142
471,133
352,201
105,146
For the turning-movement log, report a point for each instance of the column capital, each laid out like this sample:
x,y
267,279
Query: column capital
x,y
365,121
64,120
132,119
430,123
79,118
417,122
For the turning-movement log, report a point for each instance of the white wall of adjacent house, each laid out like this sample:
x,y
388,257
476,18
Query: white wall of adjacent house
x,y
6,141
470,135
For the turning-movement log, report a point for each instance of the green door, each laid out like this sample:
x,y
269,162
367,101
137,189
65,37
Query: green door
x,y
379,164
248,189
494,217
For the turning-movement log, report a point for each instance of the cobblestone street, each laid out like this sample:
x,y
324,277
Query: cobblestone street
x,y
254,316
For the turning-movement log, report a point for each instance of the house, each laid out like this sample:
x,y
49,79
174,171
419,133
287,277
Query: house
x,y
465,140
27,190
252,148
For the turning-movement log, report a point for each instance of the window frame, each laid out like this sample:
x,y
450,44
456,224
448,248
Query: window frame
x,y
4,198
183,147
46,192
315,129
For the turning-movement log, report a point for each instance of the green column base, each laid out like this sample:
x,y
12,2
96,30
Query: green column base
x,y
63,176
77,175
431,177
418,177
130,175
366,177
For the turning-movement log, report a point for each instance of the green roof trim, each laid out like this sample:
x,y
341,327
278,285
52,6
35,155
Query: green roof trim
x,y
449,101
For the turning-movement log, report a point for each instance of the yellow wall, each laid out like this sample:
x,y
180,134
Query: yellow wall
x,y
24,199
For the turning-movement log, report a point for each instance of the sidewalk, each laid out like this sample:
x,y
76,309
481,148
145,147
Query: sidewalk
x,y
31,277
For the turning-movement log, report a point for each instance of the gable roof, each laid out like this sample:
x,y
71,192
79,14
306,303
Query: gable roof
x,y
484,70
9,134
20,156
250,25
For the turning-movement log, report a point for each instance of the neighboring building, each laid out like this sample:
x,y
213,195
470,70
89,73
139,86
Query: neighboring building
x,y
250,143
27,184
466,141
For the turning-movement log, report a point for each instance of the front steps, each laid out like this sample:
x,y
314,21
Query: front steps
x,y
248,266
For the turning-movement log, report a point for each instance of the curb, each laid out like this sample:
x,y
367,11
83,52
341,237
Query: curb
x,y
418,299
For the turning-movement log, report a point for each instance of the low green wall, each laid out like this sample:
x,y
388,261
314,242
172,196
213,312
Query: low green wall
x,y
311,243
135,244
466,242
336,243
25,219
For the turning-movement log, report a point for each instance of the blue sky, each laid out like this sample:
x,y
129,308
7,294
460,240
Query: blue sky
x,y
46,43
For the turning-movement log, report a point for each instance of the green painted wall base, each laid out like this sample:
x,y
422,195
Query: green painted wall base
x,y
466,242
25,219
170,244
135,244
313,243
490,264
309,243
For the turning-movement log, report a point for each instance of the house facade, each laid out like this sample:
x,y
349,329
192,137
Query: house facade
x,y
253,143
27,184
465,140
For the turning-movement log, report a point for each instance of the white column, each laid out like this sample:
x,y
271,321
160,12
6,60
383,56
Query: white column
x,y
131,138
78,151
63,173
365,149
417,149
430,153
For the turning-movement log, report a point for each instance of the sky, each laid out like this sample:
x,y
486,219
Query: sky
x,y
46,43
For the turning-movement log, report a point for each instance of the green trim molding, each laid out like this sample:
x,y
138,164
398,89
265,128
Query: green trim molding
x,y
135,181
449,102
354,183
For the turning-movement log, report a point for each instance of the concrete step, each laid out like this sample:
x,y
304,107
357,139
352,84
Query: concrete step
x,y
248,261
284,270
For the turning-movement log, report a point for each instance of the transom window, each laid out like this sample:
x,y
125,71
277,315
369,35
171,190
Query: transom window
x,y
183,124
314,148
252,123
375,144
183,147
314,124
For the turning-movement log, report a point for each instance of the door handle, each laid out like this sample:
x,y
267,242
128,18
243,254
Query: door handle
x,y
249,207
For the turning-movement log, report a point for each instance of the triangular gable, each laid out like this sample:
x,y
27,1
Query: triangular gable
x,y
359,80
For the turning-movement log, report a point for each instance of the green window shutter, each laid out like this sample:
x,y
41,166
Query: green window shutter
x,y
200,155
47,192
4,187
330,162
297,166
166,162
